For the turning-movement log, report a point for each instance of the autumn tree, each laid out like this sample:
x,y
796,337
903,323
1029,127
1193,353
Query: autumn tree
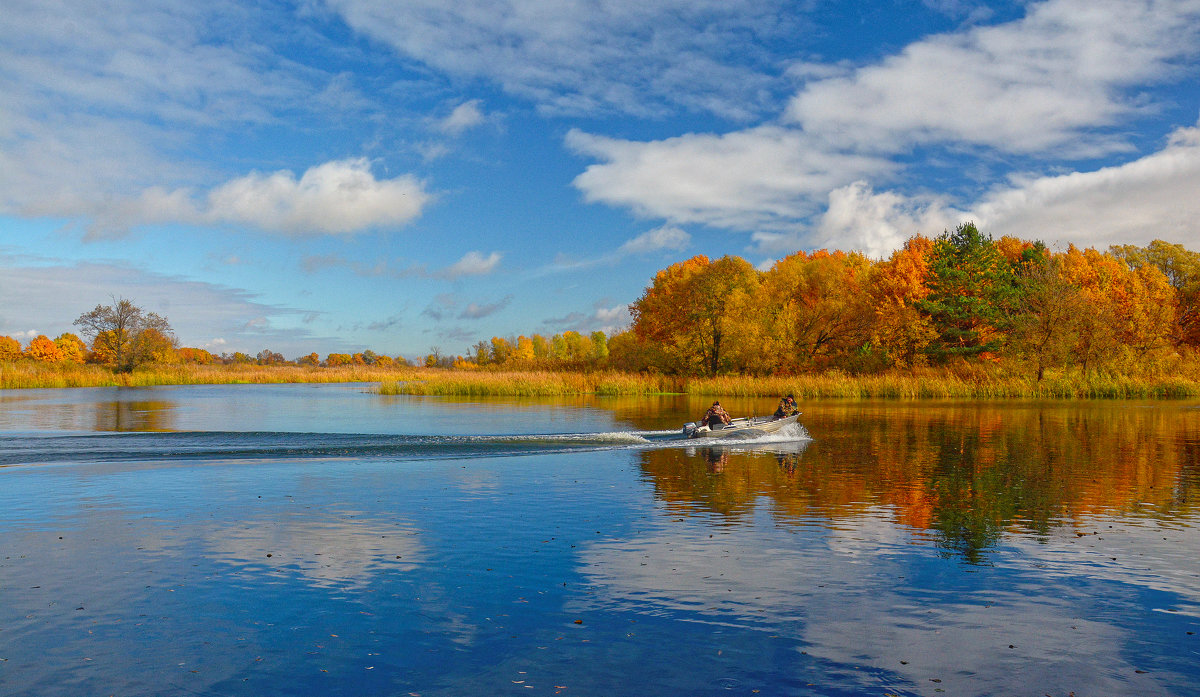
x,y
816,308
10,348
1127,310
43,349
688,310
900,331
1181,267
1046,330
334,360
120,327
197,356
72,347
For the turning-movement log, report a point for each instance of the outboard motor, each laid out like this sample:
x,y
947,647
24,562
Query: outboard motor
x,y
689,429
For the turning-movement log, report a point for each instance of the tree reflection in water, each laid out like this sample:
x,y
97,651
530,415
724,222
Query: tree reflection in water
x,y
967,473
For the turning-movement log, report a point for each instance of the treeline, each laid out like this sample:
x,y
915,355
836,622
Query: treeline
x,y
959,298
161,348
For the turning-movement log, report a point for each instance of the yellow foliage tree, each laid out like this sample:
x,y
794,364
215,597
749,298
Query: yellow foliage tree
x,y
72,347
689,311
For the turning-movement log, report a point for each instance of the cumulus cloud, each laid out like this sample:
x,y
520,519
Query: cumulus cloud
x,y
473,263
741,180
1153,197
1060,83
334,198
878,223
1042,82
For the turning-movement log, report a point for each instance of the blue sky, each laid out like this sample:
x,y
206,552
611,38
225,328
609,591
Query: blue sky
x,y
341,175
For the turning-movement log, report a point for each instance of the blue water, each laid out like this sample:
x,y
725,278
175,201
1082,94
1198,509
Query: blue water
x,y
281,540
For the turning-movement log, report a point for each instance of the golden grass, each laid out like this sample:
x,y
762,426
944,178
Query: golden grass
x,y
975,381
36,374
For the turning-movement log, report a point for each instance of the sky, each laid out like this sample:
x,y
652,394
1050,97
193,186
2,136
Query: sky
x,y
342,175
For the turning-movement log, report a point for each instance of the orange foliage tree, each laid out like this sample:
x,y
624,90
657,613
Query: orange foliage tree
x,y
901,332
10,348
43,349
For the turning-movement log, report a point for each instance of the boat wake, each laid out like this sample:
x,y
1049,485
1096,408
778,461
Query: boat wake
x,y
33,448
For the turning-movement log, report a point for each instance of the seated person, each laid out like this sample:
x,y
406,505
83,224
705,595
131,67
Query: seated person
x,y
715,415
787,407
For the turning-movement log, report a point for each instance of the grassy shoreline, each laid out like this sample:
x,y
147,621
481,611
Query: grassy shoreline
x,y
973,383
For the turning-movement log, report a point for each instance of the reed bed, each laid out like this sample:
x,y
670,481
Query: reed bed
x,y
529,384
36,374
961,382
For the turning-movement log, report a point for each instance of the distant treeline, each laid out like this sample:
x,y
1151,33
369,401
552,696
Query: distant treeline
x,y
961,299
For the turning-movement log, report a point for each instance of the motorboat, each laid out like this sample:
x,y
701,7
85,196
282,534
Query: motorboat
x,y
740,428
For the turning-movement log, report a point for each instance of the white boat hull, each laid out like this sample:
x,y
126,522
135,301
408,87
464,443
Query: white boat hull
x,y
740,429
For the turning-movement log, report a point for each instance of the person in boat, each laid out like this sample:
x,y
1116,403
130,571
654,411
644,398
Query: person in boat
x,y
787,407
715,415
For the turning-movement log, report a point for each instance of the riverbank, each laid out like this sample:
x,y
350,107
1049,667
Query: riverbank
x,y
927,384
966,382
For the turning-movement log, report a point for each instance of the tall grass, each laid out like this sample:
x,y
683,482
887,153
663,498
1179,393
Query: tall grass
x,y
529,384
35,374
974,381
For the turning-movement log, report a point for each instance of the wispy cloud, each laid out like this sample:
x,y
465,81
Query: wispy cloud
x,y
1066,69
570,57
1054,86
479,311
660,238
473,263
602,317
463,118
51,294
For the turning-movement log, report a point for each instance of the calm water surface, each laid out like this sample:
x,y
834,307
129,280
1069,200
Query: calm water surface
x,y
300,539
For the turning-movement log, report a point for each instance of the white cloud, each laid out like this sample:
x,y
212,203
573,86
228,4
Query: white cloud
x,y
1154,197
334,198
579,57
339,197
1150,198
465,116
876,224
472,264
666,237
1043,82
759,177
103,98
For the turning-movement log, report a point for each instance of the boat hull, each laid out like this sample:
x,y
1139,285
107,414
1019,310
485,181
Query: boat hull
x,y
741,429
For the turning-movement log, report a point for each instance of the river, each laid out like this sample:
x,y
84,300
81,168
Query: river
x,y
322,539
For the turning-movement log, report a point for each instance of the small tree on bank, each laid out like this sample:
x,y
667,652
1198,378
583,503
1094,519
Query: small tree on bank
x,y
123,336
